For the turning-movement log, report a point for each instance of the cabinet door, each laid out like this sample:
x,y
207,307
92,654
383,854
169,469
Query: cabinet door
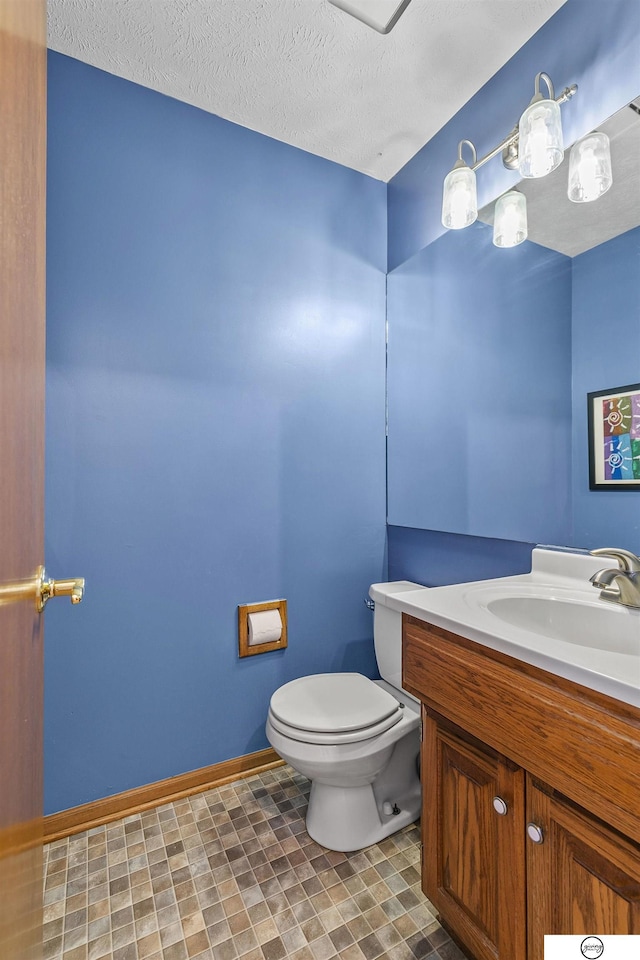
x,y
473,856
582,877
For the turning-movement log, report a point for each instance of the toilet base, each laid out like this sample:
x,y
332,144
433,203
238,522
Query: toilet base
x,y
348,818
356,786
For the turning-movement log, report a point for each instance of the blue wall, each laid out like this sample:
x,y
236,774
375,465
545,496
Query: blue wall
x,y
479,389
215,411
215,426
606,354
593,43
436,559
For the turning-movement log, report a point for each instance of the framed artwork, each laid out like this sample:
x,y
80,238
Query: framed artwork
x,y
614,438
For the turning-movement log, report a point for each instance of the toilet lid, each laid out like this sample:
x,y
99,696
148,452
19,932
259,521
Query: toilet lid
x,y
332,703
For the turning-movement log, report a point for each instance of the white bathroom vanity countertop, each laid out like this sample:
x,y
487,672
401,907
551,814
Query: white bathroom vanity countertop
x,y
552,618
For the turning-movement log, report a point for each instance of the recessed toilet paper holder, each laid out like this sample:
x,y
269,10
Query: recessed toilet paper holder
x,y
262,627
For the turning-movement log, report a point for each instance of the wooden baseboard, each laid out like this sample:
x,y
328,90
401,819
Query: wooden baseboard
x,y
94,814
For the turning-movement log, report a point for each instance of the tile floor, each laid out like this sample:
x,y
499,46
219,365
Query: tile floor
x,y
232,873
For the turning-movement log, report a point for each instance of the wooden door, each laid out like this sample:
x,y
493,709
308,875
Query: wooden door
x,y
473,856
582,878
22,341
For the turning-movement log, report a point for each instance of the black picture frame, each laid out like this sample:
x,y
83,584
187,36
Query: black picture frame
x,y
614,438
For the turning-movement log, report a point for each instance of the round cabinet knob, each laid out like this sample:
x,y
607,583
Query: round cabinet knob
x,y
500,806
534,832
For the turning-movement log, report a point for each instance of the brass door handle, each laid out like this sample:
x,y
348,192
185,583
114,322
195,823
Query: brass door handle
x,y
74,589
39,590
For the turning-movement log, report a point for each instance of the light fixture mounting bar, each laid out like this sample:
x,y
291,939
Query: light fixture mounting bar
x,y
512,137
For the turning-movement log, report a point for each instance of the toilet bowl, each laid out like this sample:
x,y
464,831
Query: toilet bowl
x,y
357,740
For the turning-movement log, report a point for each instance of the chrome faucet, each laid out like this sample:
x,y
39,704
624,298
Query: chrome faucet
x,y
620,584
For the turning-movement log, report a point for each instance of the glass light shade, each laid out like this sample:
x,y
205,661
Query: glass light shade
x,y
510,219
540,146
459,198
590,168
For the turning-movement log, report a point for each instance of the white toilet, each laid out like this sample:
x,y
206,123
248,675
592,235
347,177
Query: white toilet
x,y
357,740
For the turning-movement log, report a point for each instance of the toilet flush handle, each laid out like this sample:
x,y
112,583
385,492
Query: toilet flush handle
x,y
369,603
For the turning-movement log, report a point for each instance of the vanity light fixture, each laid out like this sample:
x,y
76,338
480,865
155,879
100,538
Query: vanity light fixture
x,y
540,146
510,219
534,146
589,168
459,199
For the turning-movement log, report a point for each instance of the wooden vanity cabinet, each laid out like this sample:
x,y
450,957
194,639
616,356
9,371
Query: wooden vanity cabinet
x,y
552,755
473,867
583,877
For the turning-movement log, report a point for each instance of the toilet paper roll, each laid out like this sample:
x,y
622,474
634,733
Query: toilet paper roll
x,y
264,627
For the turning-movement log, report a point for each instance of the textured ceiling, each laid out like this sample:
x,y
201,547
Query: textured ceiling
x,y
303,71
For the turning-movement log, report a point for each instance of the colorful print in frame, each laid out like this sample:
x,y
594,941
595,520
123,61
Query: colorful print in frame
x,y
614,438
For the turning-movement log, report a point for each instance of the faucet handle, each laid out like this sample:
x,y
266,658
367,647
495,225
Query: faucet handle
x,y
628,561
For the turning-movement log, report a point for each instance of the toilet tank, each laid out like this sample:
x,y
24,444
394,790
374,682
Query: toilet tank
x,y
387,629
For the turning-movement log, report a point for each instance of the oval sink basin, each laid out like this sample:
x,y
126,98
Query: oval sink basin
x,y
608,628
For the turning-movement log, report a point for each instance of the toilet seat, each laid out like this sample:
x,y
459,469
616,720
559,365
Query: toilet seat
x,y
333,708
